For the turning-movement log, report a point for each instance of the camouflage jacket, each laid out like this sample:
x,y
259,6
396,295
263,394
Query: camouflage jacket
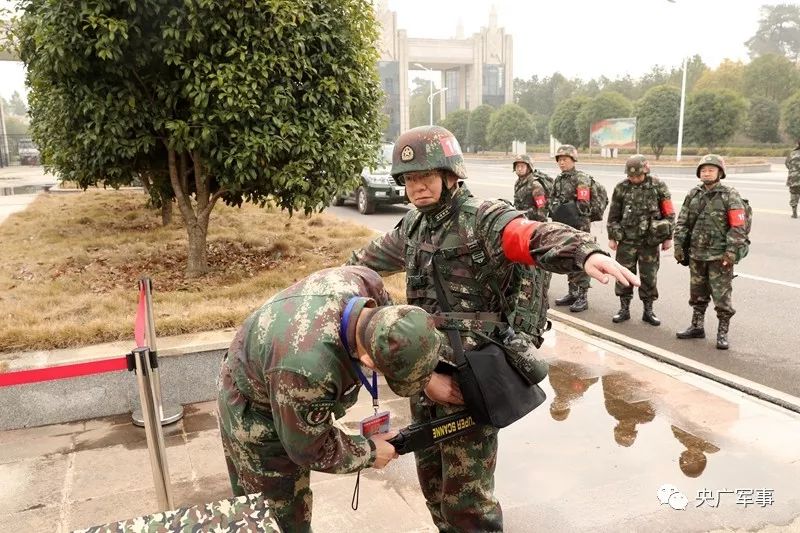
x,y
635,208
289,362
565,189
530,196
793,164
468,240
712,234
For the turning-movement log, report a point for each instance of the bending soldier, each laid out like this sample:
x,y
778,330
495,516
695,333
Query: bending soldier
x,y
573,187
640,221
793,179
473,246
713,219
295,363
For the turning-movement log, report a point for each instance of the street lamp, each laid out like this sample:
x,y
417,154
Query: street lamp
x,y
683,103
431,93
430,102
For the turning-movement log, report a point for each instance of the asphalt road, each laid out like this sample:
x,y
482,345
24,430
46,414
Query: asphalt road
x,y
765,333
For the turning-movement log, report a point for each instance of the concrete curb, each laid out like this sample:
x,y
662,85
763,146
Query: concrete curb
x,y
751,388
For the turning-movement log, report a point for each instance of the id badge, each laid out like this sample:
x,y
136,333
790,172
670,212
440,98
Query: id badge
x,y
377,423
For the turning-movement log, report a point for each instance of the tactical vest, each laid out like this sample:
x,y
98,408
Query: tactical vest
x,y
487,294
639,208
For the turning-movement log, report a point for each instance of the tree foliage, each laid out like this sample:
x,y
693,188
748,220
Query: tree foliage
x,y
562,123
16,105
728,75
778,32
770,76
608,104
275,101
419,108
457,122
657,117
790,116
712,117
478,126
509,123
763,118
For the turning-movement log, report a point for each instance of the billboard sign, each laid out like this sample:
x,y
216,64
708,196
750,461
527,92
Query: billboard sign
x,y
613,133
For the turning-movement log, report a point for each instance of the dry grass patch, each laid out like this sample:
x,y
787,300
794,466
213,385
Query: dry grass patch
x,y
71,264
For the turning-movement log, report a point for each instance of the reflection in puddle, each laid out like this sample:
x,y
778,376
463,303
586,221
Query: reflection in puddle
x,y
693,459
568,387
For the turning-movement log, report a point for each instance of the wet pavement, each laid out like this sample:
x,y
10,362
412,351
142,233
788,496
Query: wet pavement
x,y
616,427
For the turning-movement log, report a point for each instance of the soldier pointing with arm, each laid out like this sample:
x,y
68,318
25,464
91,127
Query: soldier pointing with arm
x,y
295,365
473,246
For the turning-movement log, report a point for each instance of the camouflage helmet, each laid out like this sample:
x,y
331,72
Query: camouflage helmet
x,y
635,166
568,150
427,148
712,159
404,345
522,158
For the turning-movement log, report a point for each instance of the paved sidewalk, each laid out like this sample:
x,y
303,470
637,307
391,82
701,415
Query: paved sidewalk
x,y
615,428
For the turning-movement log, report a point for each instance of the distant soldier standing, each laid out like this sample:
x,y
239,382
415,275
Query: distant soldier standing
x,y
571,204
793,180
714,218
640,221
532,189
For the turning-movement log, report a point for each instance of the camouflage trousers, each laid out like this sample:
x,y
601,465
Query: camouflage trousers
x,y
580,280
457,477
630,254
709,279
794,195
257,461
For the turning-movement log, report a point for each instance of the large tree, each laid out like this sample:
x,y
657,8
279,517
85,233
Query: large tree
x,y
509,123
608,104
457,122
275,101
419,107
728,75
790,116
657,117
770,76
778,32
712,117
477,126
562,123
763,118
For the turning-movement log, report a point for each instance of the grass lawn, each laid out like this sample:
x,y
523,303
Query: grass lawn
x,y
71,263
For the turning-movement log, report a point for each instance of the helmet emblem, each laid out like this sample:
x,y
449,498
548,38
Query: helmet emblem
x,y
407,154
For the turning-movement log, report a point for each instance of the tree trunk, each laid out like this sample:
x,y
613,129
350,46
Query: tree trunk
x,y
166,212
195,217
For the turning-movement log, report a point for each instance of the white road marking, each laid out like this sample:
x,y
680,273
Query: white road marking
x,y
770,280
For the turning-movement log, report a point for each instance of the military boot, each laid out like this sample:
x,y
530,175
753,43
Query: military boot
x,y
695,331
648,315
624,312
569,298
794,211
581,302
722,334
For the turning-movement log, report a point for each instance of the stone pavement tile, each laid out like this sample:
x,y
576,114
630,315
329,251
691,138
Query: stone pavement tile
x,y
111,506
200,417
40,519
120,469
202,490
206,455
32,483
33,445
119,430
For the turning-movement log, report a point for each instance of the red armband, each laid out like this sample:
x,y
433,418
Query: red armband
x,y
517,240
736,217
666,207
583,194
539,201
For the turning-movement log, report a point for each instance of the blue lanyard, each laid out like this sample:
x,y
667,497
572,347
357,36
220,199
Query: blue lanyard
x,y
343,328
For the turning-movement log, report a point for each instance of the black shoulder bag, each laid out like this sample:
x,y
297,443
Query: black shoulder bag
x,y
494,392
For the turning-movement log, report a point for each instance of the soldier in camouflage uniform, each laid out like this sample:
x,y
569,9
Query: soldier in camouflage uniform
x,y
640,221
573,185
793,179
530,189
716,215
293,366
474,246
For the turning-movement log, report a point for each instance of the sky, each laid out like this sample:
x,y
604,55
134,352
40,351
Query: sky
x,y
590,38
580,38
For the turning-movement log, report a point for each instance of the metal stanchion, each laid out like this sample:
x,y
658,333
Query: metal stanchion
x,y
152,427
170,413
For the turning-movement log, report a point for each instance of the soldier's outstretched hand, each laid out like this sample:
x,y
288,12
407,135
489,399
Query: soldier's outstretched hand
x,y
602,268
